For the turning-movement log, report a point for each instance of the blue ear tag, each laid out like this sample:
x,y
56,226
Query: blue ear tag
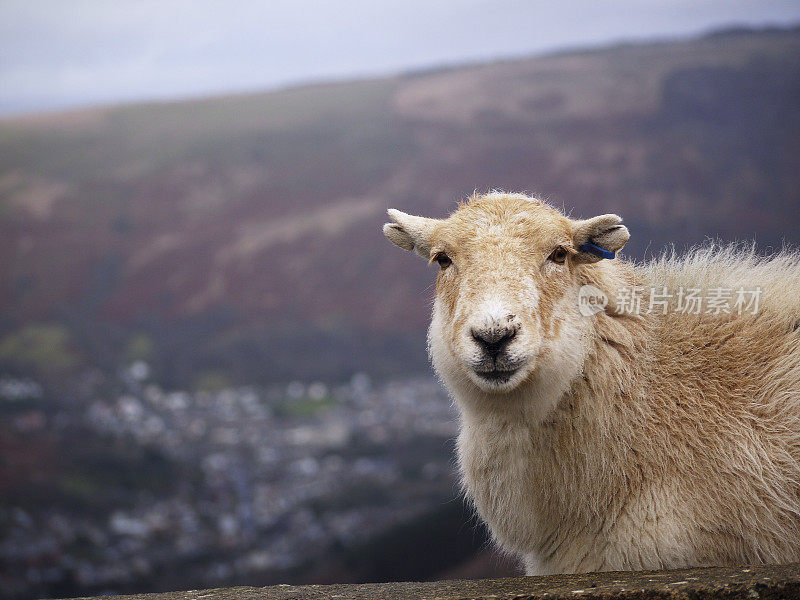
x,y
597,250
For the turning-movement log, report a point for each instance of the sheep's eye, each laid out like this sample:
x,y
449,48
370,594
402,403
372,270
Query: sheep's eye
x,y
559,255
443,260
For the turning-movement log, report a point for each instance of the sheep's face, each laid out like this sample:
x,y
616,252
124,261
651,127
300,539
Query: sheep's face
x,y
506,291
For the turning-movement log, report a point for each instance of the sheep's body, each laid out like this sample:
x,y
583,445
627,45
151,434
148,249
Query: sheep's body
x,y
678,445
634,441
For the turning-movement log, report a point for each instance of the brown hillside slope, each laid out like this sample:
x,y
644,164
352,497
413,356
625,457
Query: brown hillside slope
x,y
242,233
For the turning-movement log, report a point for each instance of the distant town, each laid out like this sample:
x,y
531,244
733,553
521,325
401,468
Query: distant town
x,y
252,481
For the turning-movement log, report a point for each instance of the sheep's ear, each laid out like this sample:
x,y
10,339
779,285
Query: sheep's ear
x,y
599,238
410,232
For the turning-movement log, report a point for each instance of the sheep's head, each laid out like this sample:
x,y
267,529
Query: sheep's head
x,y
506,292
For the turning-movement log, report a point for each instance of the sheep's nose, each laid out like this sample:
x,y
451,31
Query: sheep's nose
x,y
493,340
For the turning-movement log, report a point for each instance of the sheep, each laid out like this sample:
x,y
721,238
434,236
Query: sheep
x,y
595,437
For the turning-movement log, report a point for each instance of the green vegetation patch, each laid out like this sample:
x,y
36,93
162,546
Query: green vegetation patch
x,y
44,347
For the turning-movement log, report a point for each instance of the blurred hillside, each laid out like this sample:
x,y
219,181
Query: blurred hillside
x,y
238,239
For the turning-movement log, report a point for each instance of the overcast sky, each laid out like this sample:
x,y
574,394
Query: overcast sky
x,y
62,53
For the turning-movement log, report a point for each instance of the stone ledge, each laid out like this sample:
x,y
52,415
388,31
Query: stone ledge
x,y
751,583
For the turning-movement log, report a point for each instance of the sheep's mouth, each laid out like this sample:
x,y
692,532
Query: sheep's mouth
x,y
497,375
